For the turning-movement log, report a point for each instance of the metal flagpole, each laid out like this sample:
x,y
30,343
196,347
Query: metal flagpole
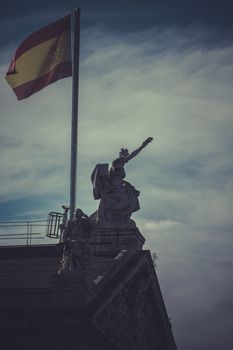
x,y
75,41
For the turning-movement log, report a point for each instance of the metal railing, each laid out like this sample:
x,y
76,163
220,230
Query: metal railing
x,y
26,232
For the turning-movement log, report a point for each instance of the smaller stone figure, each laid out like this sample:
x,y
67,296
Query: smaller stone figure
x,y
62,226
76,250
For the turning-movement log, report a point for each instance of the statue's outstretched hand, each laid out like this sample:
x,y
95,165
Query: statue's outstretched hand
x,y
145,143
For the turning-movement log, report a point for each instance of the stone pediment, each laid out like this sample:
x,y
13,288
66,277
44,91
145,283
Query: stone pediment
x,y
130,311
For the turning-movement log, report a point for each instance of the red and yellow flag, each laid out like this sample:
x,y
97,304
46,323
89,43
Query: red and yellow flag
x,y
42,58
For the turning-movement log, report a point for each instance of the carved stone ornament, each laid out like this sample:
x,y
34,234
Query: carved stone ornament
x,y
129,321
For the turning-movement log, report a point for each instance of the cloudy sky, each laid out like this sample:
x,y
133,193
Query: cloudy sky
x,y
147,68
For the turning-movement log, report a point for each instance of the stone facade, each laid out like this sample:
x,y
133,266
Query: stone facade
x,y
115,304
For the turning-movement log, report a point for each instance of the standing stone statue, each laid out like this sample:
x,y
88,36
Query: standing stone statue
x,y
118,198
76,250
63,224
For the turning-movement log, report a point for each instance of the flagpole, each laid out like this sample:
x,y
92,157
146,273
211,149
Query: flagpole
x,y
75,41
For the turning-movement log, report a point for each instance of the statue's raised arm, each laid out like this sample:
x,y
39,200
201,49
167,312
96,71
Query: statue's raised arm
x,y
134,153
118,198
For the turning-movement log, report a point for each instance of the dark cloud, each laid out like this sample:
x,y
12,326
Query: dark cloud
x,y
122,16
178,10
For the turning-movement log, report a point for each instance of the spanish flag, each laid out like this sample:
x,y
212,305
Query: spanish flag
x,y
42,58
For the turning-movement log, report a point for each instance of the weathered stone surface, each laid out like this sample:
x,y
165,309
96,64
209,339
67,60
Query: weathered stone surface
x,y
132,313
114,240
117,304
28,267
72,289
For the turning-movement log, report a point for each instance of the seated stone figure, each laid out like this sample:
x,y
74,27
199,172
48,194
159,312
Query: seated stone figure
x,y
118,198
76,250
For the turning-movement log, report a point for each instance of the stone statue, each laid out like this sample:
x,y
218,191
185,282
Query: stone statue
x,y
63,224
118,198
76,250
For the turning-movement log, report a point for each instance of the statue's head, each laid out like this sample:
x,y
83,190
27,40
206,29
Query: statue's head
x,y
78,214
123,152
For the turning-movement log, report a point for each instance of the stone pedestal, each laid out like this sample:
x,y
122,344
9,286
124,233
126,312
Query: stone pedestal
x,y
113,240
